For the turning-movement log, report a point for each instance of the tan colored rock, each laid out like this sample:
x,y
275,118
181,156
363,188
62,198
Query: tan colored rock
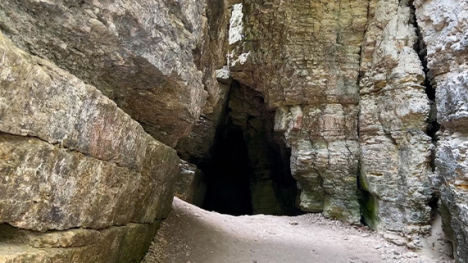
x,y
84,162
324,157
116,244
395,151
444,24
299,52
141,54
46,187
305,55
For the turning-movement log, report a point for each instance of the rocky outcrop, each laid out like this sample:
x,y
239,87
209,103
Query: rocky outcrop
x,y
444,24
121,244
347,85
70,158
395,149
324,157
336,94
304,58
141,54
197,146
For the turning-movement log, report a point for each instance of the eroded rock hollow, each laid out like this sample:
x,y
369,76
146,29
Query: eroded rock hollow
x,y
353,109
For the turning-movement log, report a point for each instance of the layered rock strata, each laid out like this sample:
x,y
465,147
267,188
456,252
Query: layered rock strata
x,y
121,244
304,58
395,149
70,158
444,27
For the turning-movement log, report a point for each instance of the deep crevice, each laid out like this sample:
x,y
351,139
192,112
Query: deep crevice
x,y
432,125
365,198
420,47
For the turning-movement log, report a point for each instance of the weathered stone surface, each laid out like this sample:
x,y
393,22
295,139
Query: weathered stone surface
x,y
116,244
142,54
102,170
395,151
40,100
325,157
45,187
298,52
198,145
444,25
305,54
452,171
190,186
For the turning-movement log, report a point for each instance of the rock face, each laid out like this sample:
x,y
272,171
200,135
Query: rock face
x,y
120,244
140,54
336,94
313,50
70,158
348,88
395,150
444,25
190,186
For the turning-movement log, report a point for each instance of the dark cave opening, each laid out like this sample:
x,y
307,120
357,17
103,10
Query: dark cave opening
x,y
228,175
249,170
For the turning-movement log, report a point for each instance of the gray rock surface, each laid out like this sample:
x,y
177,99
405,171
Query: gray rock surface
x,y
395,150
121,244
190,187
141,54
79,147
444,25
87,88
304,58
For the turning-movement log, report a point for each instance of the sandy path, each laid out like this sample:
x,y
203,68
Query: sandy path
x,y
193,235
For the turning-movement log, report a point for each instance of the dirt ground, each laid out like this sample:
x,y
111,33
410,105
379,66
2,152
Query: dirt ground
x,y
193,235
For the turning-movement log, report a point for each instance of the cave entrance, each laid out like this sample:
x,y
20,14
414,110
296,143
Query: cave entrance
x,y
249,172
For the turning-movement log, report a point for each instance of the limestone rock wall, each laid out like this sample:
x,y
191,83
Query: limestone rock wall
x,y
395,149
444,26
87,88
346,81
121,244
70,158
145,55
304,58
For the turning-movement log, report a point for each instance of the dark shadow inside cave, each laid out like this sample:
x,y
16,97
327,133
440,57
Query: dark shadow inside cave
x,y
249,170
228,175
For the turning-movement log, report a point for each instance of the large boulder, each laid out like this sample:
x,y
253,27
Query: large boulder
x,y
141,54
71,159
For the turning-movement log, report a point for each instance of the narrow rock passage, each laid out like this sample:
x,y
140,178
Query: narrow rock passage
x,y
191,234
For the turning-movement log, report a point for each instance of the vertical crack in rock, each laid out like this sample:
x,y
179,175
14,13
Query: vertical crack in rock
x,y
365,198
443,25
395,150
432,125
420,47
